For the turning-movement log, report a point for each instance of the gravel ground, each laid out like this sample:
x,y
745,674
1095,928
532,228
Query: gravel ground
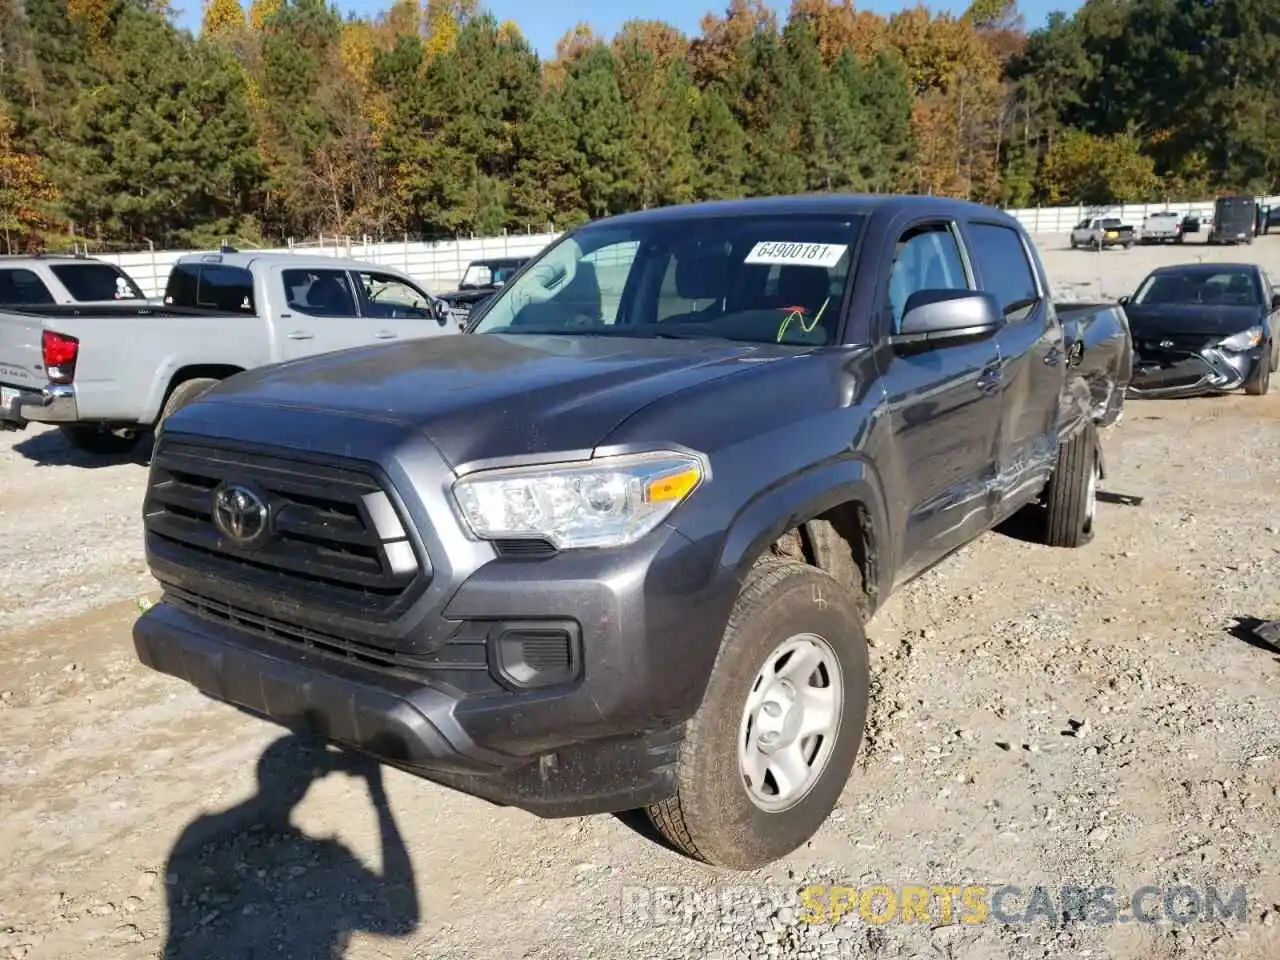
x,y
1055,718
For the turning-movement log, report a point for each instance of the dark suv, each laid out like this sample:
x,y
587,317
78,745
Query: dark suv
x,y
616,549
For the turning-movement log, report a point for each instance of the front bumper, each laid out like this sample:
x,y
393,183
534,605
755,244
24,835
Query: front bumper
x,y
1190,374
56,403
604,739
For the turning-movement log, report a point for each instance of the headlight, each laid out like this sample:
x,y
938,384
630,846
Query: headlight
x,y
608,502
1244,340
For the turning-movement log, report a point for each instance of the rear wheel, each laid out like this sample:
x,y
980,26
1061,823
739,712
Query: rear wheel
x,y
1071,495
771,747
99,441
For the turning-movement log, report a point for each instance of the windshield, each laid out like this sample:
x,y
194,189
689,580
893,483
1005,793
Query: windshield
x,y
1232,288
96,281
764,279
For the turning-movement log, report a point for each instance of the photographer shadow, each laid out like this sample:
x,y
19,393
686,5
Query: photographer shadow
x,y
247,883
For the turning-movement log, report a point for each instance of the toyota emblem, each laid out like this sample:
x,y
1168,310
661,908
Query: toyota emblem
x,y
1166,344
240,514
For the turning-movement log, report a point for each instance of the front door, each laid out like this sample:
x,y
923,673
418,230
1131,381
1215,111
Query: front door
x,y
1031,357
396,310
944,409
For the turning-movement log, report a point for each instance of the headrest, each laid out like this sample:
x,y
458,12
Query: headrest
x,y
702,274
804,286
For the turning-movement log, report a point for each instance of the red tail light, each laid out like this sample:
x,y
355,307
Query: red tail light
x,y
60,352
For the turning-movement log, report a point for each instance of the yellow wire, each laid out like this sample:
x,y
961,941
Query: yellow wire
x,y
799,315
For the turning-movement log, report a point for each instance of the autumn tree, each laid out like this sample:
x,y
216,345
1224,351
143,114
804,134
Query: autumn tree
x,y
1084,168
26,194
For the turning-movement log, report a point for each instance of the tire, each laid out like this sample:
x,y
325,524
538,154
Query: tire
x,y
183,394
713,816
1071,495
98,441
1259,385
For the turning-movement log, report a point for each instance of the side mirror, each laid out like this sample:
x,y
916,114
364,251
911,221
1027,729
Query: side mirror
x,y
1123,300
937,317
1275,301
439,311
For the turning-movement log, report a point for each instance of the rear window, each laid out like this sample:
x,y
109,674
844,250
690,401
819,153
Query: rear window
x,y
96,281
210,286
23,288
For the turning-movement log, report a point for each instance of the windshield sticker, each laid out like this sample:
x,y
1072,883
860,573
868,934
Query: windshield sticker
x,y
825,255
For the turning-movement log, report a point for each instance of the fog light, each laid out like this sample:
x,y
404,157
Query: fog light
x,y
535,653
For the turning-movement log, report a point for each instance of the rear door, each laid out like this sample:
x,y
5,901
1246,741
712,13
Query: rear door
x,y
320,313
1031,359
944,408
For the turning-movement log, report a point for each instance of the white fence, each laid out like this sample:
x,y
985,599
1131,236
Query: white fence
x,y
439,266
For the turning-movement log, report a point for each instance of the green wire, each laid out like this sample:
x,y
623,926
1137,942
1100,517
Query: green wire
x,y
798,315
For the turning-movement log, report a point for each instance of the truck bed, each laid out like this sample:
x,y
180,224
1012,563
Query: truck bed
x,y
121,349
1100,356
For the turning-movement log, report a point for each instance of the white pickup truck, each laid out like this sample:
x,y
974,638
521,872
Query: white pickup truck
x,y
45,279
107,374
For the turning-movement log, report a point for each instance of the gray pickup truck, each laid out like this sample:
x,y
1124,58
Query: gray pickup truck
x,y
616,547
107,374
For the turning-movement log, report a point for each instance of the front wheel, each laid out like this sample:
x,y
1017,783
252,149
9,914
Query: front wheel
x,y
1071,495
1259,385
771,747
98,440
183,394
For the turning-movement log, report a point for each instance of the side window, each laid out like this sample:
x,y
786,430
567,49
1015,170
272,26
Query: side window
x,y
23,288
319,293
96,281
390,298
210,286
926,258
1006,273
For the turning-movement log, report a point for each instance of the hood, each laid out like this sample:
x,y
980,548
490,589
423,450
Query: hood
x,y
1200,319
493,395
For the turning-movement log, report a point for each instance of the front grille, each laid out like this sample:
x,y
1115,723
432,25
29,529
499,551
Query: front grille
x,y
336,539
1180,343
461,662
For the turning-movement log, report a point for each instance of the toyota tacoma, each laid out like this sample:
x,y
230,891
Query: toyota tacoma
x,y
615,549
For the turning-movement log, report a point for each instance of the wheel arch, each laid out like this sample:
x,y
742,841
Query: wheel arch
x,y
847,498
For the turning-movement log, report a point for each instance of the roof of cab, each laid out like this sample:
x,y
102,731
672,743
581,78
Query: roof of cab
x,y
245,258
1213,266
812,203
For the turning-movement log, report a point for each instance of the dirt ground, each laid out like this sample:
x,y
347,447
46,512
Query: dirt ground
x,y
1041,717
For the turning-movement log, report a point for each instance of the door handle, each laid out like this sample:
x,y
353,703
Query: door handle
x,y
385,335
302,335
989,382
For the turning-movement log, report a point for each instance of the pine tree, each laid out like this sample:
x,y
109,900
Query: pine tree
x,y
720,149
593,105
547,184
